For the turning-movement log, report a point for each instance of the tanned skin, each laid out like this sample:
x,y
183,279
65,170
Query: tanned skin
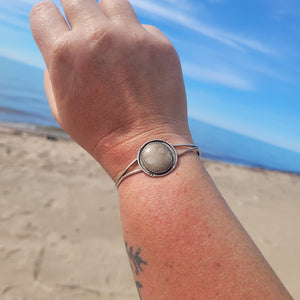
x,y
114,84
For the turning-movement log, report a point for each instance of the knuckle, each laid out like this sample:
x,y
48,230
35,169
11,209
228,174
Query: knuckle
x,y
141,40
152,28
164,50
154,45
164,46
97,36
167,47
94,33
59,52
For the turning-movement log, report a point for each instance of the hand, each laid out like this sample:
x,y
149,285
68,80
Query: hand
x,y
111,83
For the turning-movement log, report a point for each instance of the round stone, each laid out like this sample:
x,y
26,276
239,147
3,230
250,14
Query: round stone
x,y
157,158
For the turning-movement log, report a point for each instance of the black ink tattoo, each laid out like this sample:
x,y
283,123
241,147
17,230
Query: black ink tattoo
x,y
137,262
139,286
136,259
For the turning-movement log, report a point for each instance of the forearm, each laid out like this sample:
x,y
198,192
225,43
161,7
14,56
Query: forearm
x,y
193,245
114,84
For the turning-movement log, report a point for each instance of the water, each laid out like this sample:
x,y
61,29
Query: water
x,y
22,99
221,144
22,96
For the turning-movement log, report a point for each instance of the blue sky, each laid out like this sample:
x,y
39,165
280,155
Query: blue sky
x,y
241,59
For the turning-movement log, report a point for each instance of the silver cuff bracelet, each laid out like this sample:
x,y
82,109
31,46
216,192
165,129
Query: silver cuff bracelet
x,y
157,158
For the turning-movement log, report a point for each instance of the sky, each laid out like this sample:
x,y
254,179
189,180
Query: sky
x,y
240,59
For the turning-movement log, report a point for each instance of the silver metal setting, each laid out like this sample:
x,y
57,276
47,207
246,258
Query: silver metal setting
x,y
149,172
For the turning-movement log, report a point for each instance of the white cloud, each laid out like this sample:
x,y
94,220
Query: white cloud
x,y
14,21
223,77
251,44
183,4
17,12
14,54
232,40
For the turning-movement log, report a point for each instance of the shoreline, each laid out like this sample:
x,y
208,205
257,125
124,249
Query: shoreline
x,y
56,133
33,129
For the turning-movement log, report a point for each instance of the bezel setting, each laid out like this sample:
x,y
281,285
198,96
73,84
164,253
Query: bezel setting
x,y
150,172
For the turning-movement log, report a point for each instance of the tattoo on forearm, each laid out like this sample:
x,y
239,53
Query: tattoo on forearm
x,y
136,264
139,286
136,259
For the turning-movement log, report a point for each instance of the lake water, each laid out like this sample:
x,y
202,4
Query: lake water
x,y
23,100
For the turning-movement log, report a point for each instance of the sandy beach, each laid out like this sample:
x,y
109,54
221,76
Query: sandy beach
x,y
60,232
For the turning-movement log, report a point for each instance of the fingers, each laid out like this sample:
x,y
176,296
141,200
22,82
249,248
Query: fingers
x,y
50,95
47,25
156,32
119,11
80,11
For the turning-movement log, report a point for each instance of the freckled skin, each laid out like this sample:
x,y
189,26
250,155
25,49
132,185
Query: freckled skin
x,y
113,84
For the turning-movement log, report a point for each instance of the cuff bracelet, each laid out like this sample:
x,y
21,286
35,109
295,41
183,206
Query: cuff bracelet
x,y
157,158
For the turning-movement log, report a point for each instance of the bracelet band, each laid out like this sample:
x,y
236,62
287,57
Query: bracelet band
x,y
157,158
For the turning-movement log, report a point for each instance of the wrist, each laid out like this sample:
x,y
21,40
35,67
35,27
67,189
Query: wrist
x,y
115,154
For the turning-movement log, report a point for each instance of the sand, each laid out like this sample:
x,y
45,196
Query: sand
x,y
60,232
